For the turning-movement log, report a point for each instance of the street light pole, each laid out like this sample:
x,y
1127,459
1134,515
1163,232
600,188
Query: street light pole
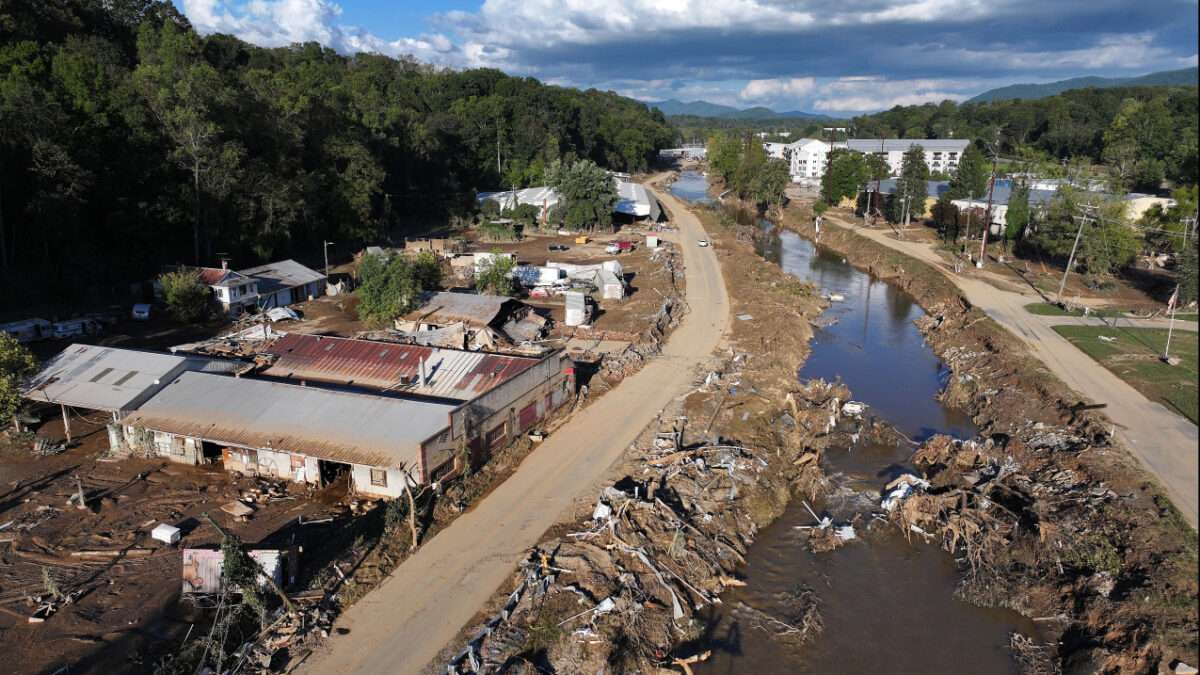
x,y
325,247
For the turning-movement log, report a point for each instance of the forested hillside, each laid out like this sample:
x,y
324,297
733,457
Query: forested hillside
x,y
128,141
1145,133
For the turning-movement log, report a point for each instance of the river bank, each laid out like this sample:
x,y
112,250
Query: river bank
x,y
1073,532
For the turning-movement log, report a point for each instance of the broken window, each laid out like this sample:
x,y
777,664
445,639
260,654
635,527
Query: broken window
x,y
379,477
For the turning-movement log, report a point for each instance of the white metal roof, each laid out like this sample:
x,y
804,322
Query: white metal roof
x,y
106,378
335,425
903,144
633,199
535,196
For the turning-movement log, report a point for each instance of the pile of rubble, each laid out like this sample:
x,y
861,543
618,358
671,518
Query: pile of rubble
x,y
616,367
623,592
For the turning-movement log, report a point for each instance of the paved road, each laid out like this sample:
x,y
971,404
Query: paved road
x,y
1118,322
402,625
1164,441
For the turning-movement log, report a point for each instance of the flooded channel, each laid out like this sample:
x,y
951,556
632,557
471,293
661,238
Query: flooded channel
x,y
887,604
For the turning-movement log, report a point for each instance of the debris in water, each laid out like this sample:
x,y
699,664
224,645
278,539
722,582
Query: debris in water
x,y
900,489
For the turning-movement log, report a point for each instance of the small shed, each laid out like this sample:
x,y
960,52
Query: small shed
x,y
202,568
576,310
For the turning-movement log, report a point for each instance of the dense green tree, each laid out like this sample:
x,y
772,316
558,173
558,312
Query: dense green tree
x,y
844,176
911,187
16,364
1107,243
945,218
392,286
971,179
1016,218
495,276
128,141
1188,266
185,294
1165,228
587,193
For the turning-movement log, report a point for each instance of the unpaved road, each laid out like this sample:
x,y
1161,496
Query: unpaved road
x,y
1164,441
402,625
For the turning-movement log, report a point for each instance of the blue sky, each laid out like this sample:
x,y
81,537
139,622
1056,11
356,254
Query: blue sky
x,y
837,58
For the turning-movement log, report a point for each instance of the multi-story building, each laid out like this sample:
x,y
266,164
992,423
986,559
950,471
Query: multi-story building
x,y
941,154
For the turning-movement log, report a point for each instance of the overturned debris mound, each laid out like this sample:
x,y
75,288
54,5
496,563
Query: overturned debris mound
x,y
1035,532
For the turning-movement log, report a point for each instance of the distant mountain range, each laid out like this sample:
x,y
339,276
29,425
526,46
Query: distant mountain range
x,y
706,109
1184,76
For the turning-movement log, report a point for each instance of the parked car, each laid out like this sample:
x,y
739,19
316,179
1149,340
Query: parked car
x,y
702,242
557,247
73,327
141,311
619,247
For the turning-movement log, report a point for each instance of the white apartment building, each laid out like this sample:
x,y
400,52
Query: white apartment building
x,y
941,154
807,158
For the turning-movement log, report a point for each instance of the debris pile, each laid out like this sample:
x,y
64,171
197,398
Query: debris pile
x,y
660,544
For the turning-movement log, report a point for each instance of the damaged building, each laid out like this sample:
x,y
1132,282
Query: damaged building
x,y
322,407
489,321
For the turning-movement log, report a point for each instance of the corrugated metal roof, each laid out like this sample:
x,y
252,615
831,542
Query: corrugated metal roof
x,y
283,274
334,425
451,373
107,378
543,196
903,144
474,309
217,276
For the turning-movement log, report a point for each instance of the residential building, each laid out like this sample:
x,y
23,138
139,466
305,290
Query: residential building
x,y
282,283
1001,194
235,292
807,159
941,154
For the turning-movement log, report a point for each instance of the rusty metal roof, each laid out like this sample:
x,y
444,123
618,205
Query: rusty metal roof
x,y
450,373
333,425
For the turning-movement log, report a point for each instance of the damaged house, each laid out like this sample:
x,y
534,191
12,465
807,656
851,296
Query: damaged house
x,y
285,282
489,321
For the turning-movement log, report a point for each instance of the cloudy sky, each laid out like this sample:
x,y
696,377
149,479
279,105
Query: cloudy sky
x,y
844,57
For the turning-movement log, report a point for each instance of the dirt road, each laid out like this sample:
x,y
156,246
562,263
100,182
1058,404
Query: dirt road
x,y
403,624
1162,440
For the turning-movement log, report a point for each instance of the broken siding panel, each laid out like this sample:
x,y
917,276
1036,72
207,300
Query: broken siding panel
x,y
202,568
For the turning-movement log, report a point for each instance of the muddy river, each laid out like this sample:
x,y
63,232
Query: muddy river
x,y
888,605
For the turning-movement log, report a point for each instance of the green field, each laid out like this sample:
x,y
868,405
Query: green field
x,y
1134,357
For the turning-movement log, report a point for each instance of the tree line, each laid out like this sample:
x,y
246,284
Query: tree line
x,y
129,141
742,163
1143,135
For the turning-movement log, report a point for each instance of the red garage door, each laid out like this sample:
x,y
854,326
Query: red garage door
x,y
528,416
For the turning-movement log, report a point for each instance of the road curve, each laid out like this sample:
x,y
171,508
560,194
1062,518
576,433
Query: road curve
x,y
402,625
1164,442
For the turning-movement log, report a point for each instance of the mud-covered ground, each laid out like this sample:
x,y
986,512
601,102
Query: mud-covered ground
x,y
1048,514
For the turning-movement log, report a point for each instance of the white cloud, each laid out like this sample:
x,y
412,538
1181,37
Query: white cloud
x,y
781,90
1124,52
862,93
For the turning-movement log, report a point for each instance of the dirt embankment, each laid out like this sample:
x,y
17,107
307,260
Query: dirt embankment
x,y
1048,514
618,586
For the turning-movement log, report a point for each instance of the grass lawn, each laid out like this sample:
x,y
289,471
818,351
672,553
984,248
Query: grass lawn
x,y
1134,358
1047,309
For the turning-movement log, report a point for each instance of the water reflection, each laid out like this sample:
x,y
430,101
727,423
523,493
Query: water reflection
x,y
888,604
692,186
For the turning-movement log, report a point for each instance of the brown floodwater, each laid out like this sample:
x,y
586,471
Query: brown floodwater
x,y
887,604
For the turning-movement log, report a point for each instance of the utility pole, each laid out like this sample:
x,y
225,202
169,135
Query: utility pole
x,y
325,245
1171,305
987,225
1087,217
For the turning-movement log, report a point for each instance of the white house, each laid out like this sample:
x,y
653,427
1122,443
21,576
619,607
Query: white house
x,y
941,154
234,291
